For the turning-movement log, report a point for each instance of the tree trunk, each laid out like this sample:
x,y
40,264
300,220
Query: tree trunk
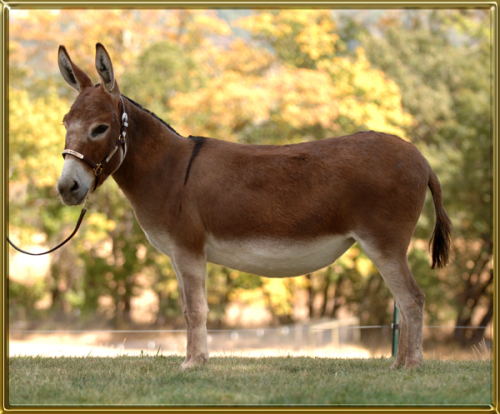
x,y
469,301
310,301
325,297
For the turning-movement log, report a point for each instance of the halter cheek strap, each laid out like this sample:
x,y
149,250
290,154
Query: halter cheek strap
x,y
98,168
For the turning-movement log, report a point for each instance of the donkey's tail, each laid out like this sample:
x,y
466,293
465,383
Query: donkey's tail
x,y
440,242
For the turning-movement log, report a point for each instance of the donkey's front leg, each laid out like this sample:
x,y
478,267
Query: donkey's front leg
x,y
191,273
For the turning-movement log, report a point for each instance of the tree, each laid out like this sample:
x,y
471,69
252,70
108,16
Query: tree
x,y
293,81
441,60
35,36
288,85
111,253
295,75
159,73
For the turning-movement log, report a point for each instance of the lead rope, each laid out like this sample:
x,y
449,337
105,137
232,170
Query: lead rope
x,y
80,219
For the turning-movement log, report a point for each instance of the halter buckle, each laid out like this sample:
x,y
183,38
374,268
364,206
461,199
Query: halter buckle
x,y
98,170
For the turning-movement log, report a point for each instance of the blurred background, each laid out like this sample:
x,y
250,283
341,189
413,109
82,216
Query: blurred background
x,y
251,76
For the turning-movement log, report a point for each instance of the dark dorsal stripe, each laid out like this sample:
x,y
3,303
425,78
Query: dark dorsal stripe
x,y
198,143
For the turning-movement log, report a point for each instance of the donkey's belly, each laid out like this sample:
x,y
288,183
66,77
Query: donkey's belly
x,y
277,258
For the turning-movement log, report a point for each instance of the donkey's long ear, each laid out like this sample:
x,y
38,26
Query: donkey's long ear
x,y
105,69
71,73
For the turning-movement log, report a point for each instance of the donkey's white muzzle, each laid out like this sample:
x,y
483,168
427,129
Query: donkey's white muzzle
x,y
74,183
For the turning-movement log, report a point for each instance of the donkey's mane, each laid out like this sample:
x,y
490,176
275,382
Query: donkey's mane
x,y
149,112
152,114
199,141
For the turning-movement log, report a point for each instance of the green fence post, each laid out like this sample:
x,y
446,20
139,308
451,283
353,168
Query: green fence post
x,y
395,330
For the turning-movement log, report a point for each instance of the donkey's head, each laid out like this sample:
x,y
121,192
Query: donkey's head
x,y
93,126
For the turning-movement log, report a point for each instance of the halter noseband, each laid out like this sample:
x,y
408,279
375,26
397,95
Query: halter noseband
x,y
98,168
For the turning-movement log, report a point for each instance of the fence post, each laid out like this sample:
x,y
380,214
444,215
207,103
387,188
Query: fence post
x,y
395,330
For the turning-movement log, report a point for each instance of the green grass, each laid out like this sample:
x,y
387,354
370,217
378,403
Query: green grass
x,y
234,381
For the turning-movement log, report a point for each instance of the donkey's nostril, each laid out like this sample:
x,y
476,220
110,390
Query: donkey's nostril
x,y
75,187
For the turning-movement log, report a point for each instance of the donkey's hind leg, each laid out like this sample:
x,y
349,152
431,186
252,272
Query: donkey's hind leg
x,y
410,298
413,313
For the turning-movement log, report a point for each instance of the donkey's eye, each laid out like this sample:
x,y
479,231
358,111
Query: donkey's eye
x,y
98,130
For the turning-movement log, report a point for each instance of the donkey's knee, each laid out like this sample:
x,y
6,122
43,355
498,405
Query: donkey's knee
x,y
417,295
413,307
195,317
419,299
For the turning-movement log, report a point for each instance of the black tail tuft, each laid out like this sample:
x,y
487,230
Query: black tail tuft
x,y
440,243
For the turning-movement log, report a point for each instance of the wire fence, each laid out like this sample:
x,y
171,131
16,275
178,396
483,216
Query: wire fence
x,y
330,338
42,331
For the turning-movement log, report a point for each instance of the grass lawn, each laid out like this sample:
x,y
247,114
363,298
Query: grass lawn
x,y
236,381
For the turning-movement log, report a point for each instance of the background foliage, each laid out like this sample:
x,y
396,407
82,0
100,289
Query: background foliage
x,y
269,77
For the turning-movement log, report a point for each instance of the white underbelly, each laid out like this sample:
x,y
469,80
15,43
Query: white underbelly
x,y
277,258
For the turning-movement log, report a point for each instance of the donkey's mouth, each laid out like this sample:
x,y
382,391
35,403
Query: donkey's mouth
x,y
74,197
83,198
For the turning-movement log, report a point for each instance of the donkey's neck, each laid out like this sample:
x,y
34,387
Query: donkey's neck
x,y
154,150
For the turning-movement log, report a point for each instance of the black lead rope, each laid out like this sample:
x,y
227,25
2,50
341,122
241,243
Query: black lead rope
x,y
84,210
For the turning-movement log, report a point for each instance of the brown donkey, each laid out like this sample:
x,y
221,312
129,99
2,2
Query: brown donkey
x,y
274,211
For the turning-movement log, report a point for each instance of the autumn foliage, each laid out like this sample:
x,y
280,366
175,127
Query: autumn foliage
x,y
267,77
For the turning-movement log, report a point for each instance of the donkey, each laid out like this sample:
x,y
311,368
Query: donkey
x,y
268,210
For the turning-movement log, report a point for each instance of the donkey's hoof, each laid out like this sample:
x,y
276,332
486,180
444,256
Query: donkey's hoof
x,y
194,361
396,365
414,363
